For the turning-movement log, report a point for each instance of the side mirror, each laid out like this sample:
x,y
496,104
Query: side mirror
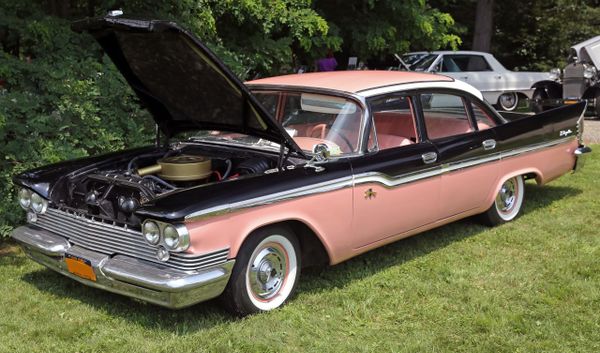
x,y
321,151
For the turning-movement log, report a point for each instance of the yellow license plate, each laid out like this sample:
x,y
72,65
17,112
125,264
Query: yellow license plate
x,y
80,267
571,102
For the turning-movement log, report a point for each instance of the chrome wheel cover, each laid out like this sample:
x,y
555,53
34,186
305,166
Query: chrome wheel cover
x,y
506,199
508,101
267,271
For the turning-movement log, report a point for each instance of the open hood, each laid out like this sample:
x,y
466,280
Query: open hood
x,y
588,51
183,84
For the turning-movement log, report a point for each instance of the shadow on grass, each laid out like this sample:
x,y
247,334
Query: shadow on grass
x,y
10,254
208,314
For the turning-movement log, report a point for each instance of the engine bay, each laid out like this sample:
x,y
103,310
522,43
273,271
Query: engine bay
x,y
115,191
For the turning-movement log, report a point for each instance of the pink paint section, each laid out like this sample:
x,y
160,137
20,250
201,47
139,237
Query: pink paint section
x,y
395,213
328,214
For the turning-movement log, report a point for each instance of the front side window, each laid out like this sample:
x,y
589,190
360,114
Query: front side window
x,y
312,119
445,115
394,122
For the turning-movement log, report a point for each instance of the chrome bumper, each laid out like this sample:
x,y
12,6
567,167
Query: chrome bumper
x,y
126,275
581,153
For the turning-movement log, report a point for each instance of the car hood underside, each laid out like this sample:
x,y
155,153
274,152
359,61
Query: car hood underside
x,y
183,84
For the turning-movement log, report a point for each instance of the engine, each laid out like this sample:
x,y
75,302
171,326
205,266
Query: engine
x,y
115,193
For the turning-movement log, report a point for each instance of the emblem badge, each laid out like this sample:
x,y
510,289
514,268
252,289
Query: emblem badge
x,y
370,194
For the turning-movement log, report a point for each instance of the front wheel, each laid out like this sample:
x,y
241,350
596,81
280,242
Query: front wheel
x,y
507,204
537,98
265,273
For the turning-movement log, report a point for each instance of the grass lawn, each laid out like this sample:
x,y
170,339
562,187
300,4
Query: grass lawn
x,y
532,285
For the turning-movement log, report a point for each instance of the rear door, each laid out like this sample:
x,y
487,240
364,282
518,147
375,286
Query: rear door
x,y
462,131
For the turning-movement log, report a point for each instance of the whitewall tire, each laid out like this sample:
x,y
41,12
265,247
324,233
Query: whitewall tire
x,y
266,272
508,202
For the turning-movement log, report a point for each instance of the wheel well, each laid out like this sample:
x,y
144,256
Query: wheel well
x,y
532,175
552,88
312,250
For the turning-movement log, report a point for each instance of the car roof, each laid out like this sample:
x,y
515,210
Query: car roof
x,y
349,81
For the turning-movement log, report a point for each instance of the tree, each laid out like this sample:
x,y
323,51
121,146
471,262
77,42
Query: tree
x,y
482,37
378,28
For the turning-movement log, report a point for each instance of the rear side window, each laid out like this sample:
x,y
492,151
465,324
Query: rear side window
x,y
484,121
445,115
458,63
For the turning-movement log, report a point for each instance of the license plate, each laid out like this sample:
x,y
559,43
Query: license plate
x,y
80,267
571,102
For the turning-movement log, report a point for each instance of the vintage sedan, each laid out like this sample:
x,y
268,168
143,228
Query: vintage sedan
x,y
249,183
501,87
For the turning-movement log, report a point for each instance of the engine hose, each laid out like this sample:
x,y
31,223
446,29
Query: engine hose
x,y
229,164
160,181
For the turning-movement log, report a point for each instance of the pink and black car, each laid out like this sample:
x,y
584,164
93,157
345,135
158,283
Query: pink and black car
x,y
249,183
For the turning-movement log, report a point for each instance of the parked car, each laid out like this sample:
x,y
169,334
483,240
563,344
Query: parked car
x,y
252,182
578,81
500,87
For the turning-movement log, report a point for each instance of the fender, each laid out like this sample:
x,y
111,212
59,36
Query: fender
x,y
553,89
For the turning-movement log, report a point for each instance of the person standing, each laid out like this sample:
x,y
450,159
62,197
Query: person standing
x,y
328,63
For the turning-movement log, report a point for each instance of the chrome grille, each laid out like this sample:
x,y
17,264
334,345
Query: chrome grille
x,y
573,81
112,239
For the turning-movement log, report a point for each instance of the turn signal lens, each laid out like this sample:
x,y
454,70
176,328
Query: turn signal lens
x,y
151,232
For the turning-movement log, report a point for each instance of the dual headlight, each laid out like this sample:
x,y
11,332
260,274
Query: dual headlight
x,y
30,200
174,237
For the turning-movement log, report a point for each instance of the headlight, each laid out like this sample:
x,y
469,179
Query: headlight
x,y
555,74
38,204
151,232
589,72
25,198
171,237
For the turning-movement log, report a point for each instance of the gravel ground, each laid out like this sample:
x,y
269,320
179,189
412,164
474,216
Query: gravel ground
x,y
591,131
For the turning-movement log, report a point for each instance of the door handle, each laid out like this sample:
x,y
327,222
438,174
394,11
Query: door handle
x,y
489,144
429,157
464,78
498,77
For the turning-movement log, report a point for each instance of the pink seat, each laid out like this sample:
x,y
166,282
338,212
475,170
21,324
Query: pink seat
x,y
391,141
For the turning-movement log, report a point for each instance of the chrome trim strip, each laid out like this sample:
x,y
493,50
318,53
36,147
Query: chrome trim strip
x,y
383,179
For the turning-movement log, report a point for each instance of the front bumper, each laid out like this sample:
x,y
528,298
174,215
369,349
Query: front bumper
x,y
126,275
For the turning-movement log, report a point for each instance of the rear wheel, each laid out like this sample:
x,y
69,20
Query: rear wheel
x,y
265,273
508,101
536,99
507,204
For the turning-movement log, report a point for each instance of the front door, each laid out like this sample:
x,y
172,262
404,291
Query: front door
x,y
397,184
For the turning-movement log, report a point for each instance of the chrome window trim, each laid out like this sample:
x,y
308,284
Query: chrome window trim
x,y
383,179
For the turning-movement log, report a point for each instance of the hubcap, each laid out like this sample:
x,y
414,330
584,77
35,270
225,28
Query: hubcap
x,y
508,101
505,201
267,272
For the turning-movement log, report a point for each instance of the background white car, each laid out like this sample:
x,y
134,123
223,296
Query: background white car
x,y
499,86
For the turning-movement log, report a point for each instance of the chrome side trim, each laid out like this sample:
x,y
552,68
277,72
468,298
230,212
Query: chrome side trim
x,y
383,179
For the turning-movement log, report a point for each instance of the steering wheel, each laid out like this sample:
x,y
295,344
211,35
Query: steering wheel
x,y
316,128
343,137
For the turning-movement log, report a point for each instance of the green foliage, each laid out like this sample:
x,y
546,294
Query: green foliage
x,y
59,100
379,28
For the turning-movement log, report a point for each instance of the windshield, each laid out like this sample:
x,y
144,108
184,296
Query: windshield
x,y
310,119
313,119
424,63
411,58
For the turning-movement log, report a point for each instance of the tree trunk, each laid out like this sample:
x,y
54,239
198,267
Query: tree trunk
x,y
484,25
